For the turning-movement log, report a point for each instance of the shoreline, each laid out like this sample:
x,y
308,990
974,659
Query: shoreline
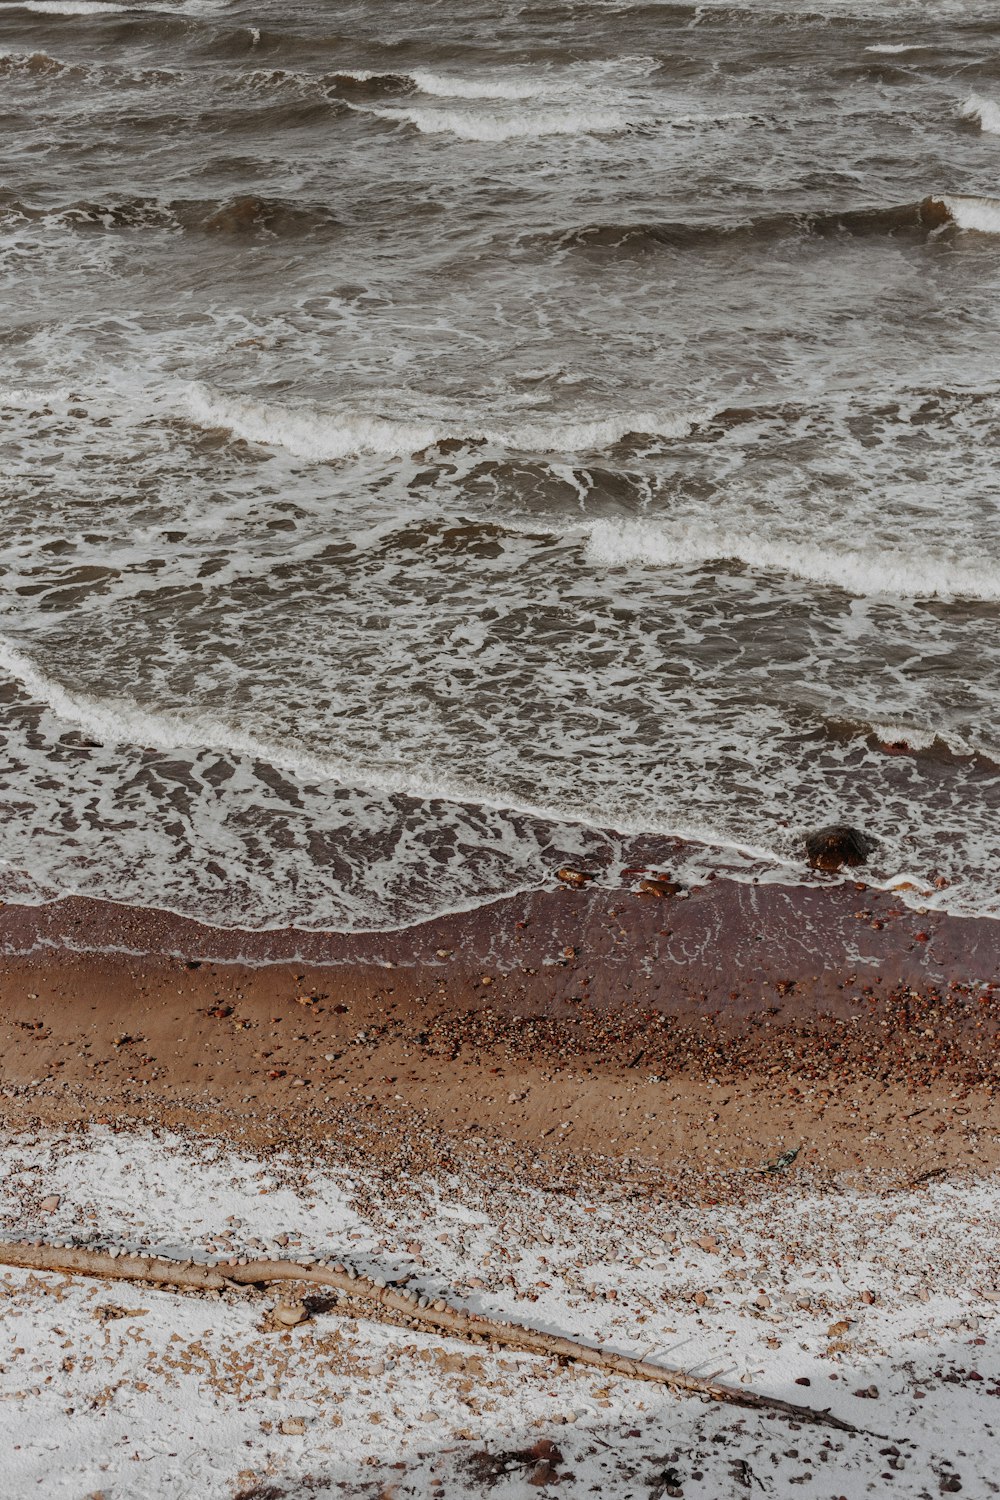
x,y
720,932
559,1031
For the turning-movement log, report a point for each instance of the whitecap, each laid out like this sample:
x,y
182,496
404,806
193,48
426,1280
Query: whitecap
x,y
74,7
867,572
984,111
981,215
488,125
893,48
324,436
452,86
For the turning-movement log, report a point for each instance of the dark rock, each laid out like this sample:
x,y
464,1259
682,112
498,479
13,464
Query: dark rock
x,y
838,845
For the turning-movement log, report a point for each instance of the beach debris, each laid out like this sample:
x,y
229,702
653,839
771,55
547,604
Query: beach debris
x,y
110,1312
781,1163
394,1304
744,1475
659,886
542,1459
289,1314
575,878
837,845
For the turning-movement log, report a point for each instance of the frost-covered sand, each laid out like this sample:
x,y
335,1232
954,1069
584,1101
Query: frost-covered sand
x,y
122,1391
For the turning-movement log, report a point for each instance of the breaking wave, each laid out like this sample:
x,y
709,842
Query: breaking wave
x,y
326,436
488,125
981,215
451,86
891,49
984,112
33,64
893,572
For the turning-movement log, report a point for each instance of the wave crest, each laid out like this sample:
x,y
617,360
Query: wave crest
x,y
496,125
637,239
983,112
325,436
893,572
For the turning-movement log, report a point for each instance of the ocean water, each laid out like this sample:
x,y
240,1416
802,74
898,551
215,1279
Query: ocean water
x,y
443,440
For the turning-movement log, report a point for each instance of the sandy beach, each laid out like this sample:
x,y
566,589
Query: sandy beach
x,y
540,1104
734,1021
499,750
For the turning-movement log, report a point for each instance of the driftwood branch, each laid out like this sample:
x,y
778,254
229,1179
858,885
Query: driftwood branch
x,y
403,1304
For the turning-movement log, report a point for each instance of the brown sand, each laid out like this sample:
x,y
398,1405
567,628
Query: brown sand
x,y
672,1045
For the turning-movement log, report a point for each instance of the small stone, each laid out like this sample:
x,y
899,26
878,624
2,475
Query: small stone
x,y
294,1426
290,1314
50,1204
868,1298
543,1473
575,878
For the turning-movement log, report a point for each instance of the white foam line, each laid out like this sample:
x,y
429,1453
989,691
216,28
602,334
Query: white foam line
x,y
869,573
326,436
115,721
484,125
452,86
72,7
892,48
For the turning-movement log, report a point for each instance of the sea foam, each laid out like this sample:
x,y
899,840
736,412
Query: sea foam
x,y
981,215
489,125
326,436
985,111
452,86
73,7
913,575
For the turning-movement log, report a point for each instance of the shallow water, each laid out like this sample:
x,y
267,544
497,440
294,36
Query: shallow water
x,y
434,435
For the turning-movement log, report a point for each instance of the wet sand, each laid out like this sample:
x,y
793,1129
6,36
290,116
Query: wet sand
x,y
677,1044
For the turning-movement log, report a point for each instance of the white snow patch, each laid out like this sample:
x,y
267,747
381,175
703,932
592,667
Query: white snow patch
x,y
185,1396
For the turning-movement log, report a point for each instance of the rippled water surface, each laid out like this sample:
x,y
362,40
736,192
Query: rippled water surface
x,y
441,440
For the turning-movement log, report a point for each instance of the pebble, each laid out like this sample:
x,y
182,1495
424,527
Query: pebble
x,y
289,1314
294,1426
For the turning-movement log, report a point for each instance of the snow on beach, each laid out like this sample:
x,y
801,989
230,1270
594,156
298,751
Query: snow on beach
x,y
883,1306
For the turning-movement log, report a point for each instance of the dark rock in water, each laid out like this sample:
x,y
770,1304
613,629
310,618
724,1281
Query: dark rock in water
x,y
838,845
